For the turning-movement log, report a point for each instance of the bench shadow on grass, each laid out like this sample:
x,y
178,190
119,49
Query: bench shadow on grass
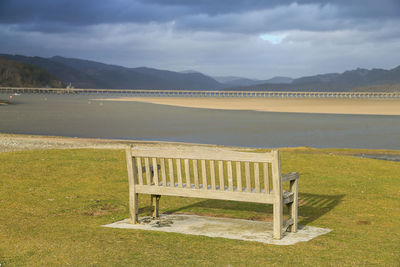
x,y
311,207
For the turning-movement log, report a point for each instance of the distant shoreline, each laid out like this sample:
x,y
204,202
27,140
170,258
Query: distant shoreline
x,y
316,106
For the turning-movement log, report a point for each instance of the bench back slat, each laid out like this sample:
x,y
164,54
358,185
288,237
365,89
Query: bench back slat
x,y
163,171
179,172
204,174
267,187
148,173
230,175
257,177
140,174
239,176
187,172
221,175
171,171
155,171
212,175
247,174
196,174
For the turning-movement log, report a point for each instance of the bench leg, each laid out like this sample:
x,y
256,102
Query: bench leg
x,y
278,220
134,208
155,203
294,205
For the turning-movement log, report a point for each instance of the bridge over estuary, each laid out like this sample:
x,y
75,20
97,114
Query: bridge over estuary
x,y
199,93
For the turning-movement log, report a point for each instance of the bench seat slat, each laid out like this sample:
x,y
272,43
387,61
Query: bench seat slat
x,y
186,192
286,195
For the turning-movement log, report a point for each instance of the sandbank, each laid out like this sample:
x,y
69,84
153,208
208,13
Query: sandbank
x,y
313,105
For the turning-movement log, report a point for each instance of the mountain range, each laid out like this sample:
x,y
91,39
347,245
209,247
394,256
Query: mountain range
x,y
361,79
90,74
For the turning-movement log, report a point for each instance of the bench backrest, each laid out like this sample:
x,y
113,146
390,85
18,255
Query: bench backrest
x,y
206,172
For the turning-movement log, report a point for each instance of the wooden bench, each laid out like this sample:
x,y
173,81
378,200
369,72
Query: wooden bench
x,y
203,172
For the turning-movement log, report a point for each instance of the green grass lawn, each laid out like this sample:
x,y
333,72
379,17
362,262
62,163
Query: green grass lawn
x,y
52,204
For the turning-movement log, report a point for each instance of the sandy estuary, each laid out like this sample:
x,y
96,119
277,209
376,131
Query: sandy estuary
x,y
315,105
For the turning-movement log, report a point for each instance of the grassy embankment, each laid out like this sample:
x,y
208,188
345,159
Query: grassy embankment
x,y
53,202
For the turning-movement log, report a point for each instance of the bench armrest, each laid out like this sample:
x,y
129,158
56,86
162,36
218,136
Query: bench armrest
x,y
290,176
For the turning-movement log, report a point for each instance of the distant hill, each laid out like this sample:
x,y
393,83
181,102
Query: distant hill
x,y
280,79
91,74
232,81
62,72
189,71
16,74
345,81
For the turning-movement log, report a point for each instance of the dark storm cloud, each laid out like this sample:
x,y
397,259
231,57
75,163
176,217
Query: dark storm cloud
x,y
50,15
361,8
253,38
208,15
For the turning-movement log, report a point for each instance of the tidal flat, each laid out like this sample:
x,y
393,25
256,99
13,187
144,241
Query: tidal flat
x,y
291,105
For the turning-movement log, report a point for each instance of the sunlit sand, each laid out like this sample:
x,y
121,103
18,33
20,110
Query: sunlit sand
x,y
328,106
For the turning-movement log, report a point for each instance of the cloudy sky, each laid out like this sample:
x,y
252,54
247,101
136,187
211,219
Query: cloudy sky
x,y
251,38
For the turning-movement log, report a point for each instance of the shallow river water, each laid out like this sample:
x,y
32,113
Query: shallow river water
x,y
68,115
